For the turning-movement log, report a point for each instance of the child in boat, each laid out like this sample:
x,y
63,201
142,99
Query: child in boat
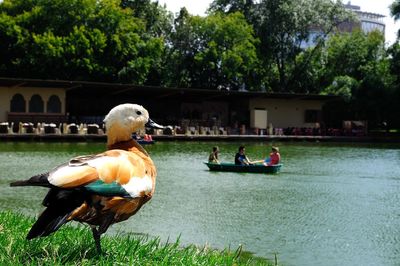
x,y
213,158
274,157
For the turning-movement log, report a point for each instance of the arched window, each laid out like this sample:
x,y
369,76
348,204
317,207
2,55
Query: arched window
x,y
18,104
36,104
54,104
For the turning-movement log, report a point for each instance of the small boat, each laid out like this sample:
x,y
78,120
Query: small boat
x,y
255,168
144,142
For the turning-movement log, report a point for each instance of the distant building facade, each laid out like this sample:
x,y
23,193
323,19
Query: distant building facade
x,y
366,21
31,103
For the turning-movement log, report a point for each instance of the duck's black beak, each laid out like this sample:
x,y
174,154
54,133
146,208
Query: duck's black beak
x,y
152,124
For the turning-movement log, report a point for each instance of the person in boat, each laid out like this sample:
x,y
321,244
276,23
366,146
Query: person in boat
x,y
148,137
213,158
241,158
274,157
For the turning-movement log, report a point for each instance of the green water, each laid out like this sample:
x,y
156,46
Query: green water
x,y
332,204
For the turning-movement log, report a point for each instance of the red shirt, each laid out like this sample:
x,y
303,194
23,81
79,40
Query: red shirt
x,y
274,158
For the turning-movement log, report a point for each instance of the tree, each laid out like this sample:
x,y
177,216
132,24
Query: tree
x,y
181,47
228,56
343,86
394,114
216,51
283,27
11,36
158,24
157,19
395,11
75,39
394,53
357,67
247,7
351,54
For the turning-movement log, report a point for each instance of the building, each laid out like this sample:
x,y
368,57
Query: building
x,y
54,101
23,100
367,21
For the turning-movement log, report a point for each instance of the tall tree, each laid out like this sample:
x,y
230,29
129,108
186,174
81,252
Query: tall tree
x,y
394,55
351,53
182,45
75,39
218,50
247,7
358,68
284,26
395,11
158,24
158,20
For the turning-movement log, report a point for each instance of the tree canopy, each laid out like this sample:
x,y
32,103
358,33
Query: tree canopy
x,y
395,11
357,68
75,39
208,52
283,27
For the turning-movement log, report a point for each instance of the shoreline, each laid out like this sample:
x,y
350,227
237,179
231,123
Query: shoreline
x,y
102,138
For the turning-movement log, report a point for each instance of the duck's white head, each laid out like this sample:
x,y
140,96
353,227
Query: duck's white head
x,y
123,120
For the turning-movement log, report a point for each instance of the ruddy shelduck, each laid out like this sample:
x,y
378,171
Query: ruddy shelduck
x,y
100,189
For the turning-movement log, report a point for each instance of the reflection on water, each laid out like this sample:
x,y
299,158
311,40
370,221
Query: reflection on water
x,y
331,204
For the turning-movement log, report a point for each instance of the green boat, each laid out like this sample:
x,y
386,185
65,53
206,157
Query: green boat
x,y
255,168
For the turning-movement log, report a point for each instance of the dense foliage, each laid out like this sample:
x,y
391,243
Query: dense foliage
x,y
395,11
284,27
214,51
75,39
240,44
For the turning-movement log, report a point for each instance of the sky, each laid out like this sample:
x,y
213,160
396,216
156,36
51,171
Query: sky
x,y
198,7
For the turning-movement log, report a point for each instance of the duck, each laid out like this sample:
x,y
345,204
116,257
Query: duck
x,y
100,189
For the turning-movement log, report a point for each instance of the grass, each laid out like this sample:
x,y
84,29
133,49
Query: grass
x,y
74,246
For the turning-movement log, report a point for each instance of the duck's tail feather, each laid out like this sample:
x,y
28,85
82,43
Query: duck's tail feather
x,y
60,204
49,221
37,180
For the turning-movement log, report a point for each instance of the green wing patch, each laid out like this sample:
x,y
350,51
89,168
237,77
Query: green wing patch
x,y
107,189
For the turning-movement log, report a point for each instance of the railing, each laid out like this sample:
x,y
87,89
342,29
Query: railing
x,y
95,129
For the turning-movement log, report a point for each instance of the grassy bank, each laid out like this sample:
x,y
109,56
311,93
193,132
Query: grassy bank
x,y
74,246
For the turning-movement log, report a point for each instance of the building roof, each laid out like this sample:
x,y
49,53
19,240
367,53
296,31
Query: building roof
x,y
85,88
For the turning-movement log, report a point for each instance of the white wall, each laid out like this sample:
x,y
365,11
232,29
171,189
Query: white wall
x,y
284,113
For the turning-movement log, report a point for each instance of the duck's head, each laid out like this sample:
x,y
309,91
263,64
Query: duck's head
x,y
124,119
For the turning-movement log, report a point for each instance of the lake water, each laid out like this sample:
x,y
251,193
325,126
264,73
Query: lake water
x,y
332,204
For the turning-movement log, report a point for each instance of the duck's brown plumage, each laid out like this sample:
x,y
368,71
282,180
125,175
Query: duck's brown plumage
x,y
100,189
122,207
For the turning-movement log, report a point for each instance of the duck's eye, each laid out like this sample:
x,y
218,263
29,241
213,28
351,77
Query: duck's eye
x,y
138,112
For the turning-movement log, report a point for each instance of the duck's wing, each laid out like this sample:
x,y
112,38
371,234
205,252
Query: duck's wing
x,y
116,174
112,173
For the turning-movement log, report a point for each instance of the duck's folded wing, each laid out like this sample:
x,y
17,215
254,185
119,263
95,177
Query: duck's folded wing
x,y
115,172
